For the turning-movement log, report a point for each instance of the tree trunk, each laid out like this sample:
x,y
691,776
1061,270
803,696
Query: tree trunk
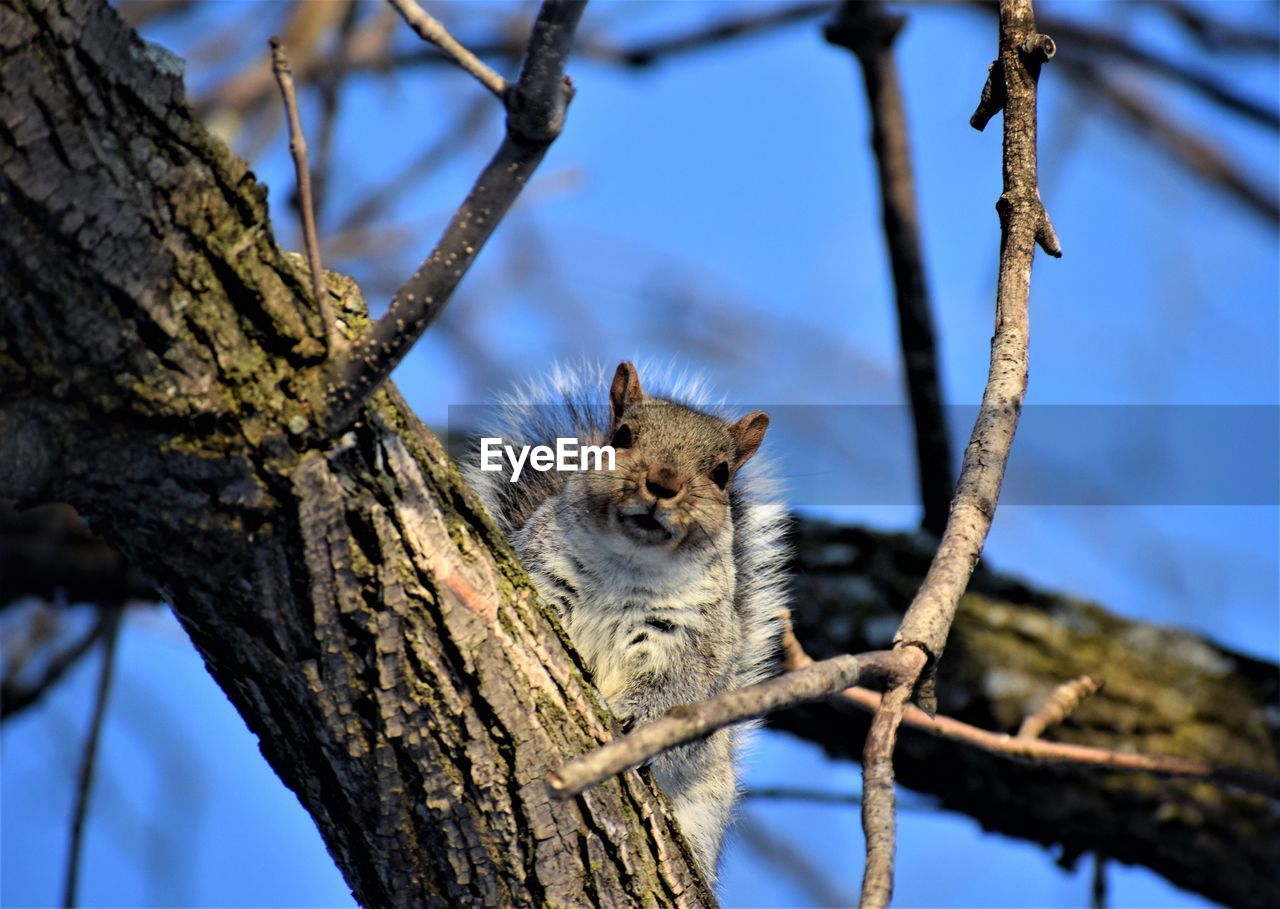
x,y
159,359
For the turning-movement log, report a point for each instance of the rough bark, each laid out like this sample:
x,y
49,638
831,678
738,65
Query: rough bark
x,y
157,369
1166,692
160,372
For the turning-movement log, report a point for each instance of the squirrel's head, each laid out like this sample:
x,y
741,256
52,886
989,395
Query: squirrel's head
x,y
674,467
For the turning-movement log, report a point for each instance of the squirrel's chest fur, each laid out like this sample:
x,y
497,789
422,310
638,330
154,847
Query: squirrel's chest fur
x,y
631,610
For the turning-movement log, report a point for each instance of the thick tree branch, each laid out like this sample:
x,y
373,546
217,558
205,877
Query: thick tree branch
x,y
536,105
366,618
868,31
48,552
1168,693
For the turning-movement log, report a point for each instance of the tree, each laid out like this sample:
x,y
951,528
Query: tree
x,y
172,400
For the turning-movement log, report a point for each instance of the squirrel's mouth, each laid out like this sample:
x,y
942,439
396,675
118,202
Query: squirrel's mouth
x,y
645,527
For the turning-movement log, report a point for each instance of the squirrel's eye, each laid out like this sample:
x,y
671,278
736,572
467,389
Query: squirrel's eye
x,y
621,437
720,474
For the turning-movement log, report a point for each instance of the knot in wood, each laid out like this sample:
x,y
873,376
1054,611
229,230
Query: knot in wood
x,y
537,117
1038,48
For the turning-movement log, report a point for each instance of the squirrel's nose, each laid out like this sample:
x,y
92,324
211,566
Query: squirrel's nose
x,y
663,485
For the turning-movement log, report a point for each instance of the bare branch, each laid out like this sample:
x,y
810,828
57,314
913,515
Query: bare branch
x,y
922,635
879,816
85,783
790,860
1023,222
298,149
728,29
1098,42
536,105
1186,146
1217,35
1059,705
329,80
430,29
1098,884
797,794
1028,749
692,721
139,12
48,552
1039,751
869,32
15,698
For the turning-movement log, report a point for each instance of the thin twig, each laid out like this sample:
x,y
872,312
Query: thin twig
x,y
708,36
790,860
15,698
792,793
1041,752
1099,42
536,105
1217,35
85,783
1192,150
691,721
1060,704
869,32
1098,886
329,80
1036,751
298,149
430,29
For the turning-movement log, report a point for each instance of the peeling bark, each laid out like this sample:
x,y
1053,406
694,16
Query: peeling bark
x,y
161,371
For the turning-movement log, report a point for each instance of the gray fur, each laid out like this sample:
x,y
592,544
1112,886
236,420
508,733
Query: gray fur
x,y
670,587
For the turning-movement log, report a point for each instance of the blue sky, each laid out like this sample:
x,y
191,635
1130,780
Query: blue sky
x,y
721,210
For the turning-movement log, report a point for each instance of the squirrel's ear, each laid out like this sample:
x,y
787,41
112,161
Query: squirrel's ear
x,y
748,433
625,390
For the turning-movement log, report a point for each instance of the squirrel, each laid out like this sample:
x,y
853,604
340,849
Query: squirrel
x,y
666,571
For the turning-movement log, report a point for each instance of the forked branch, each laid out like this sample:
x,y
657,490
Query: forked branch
x,y
1024,223
922,636
685,723
535,103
